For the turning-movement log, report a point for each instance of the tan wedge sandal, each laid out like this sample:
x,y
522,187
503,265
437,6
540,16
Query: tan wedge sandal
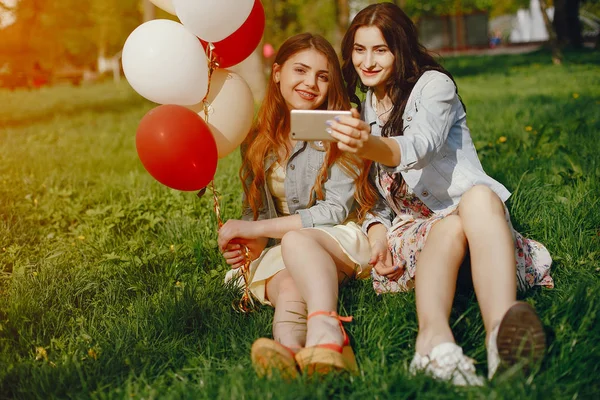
x,y
271,358
325,358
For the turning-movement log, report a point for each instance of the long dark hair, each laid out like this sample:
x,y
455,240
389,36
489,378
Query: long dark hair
x,y
411,58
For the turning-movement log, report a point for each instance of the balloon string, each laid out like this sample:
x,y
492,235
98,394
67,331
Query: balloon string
x,y
246,304
212,66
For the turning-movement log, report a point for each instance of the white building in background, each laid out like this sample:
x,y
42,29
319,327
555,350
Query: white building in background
x,y
7,17
529,26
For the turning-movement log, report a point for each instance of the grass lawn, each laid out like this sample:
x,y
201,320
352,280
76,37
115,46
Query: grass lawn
x,y
111,284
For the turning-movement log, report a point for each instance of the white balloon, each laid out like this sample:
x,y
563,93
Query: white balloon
x,y
166,5
230,110
165,63
213,20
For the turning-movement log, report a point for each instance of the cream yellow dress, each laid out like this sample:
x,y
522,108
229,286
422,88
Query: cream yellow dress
x,y
351,239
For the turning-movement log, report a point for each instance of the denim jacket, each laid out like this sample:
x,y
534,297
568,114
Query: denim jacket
x,y
438,159
301,174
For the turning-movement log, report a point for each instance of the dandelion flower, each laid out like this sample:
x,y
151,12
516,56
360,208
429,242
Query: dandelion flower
x,y
528,128
81,237
575,95
502,139
41,354
92,354
172,247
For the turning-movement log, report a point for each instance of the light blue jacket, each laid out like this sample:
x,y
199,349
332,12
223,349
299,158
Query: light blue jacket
x,y
438,161
301,174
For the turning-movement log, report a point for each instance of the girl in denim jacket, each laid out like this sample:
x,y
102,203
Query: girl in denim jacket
x,y
437,205
304,194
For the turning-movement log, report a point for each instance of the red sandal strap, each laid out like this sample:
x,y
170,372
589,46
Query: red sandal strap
x,y
340,319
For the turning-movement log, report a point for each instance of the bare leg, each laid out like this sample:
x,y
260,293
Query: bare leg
x,y
318,265
435,282
492,253
289,321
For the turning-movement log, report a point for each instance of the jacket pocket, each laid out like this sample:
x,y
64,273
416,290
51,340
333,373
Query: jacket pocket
x,y
315,160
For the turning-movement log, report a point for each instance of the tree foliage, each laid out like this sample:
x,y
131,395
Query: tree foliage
x,y
73,31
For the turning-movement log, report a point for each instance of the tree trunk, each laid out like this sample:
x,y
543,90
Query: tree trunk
x,y
574,24
566,22
556,52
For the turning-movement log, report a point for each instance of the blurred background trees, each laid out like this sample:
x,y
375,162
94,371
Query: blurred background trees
x,y
79,32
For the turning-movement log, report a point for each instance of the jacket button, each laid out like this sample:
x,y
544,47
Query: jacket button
x,y
292,167
409,118
295,200
425,193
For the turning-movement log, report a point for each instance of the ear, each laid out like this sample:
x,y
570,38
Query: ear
x,y
276,72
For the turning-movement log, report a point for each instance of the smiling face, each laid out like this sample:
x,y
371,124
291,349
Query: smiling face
x,y
372,58
303,80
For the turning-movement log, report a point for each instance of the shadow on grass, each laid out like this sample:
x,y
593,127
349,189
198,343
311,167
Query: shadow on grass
x,y
488,64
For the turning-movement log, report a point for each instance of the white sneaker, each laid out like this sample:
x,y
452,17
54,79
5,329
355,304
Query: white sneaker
x,y
448,363
519,338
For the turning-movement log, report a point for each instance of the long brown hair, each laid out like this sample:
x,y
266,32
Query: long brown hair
x,y
411,60
271,128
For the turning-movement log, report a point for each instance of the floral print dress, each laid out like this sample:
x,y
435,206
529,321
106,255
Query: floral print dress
x,y
412,224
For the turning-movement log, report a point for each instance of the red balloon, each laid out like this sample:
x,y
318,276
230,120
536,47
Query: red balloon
x,y
176,147
236,47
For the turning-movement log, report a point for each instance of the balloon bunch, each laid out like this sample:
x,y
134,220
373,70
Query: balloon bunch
x,y
206,109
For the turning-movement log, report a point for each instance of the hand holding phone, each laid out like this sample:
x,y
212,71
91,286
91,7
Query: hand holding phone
x,y
309,125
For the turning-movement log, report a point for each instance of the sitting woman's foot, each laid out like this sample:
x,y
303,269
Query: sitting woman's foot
x,y
519,338
271,358
447,362
327,345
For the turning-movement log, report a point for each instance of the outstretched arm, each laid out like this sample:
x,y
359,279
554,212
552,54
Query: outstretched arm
x,y
354,136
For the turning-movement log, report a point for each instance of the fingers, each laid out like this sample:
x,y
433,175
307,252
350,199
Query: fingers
x,y
385,271
223,240
348,130
235,260
392,273
353,122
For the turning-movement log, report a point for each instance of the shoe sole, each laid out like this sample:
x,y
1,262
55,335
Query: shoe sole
x,y
270,358
521,337
322,361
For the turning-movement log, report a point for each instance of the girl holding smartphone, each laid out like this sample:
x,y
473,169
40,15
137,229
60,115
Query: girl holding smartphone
x,y
437,207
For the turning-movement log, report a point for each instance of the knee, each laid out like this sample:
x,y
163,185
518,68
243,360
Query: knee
x,y
452,229
290,240
480,200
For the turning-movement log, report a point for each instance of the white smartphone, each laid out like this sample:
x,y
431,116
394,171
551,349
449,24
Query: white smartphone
x,y
309,125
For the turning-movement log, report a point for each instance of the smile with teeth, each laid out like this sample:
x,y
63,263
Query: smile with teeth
x,y
306,95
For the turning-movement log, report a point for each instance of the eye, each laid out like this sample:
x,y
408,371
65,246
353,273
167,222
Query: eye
x,y
359,49
299,70
324,77
381,50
